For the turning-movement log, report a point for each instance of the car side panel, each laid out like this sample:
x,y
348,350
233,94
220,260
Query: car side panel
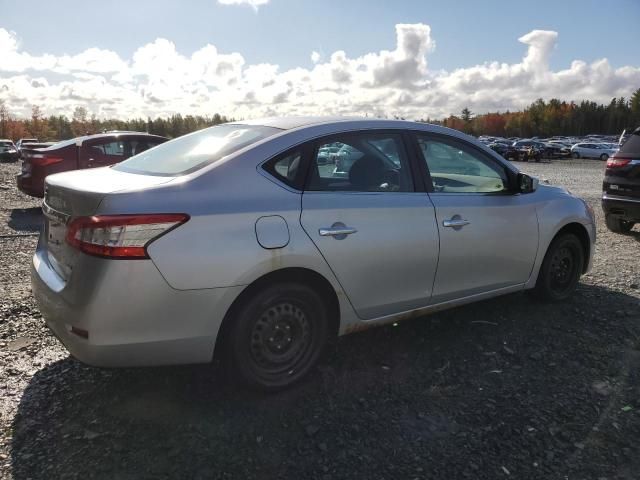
x,y
556,210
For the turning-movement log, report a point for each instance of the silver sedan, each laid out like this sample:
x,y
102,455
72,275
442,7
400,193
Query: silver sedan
x,y
239,241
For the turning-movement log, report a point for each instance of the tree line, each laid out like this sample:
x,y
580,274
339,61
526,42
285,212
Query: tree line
x,y
61,127
555,117
541,118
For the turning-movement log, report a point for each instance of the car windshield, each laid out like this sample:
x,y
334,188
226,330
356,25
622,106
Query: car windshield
x,y
191,152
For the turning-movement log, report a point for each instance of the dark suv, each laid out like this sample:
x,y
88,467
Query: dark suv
x,y
89,151
621,186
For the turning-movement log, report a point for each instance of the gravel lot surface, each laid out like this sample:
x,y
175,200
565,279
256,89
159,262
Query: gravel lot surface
x,y
507,388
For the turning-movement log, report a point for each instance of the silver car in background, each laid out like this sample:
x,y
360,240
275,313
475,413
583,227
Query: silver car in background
x,y
236,240
601,151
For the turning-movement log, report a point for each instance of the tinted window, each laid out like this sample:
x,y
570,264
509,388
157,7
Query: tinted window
x,y
632,145
115,148
458,168
140,145
286,168
363,162
191,152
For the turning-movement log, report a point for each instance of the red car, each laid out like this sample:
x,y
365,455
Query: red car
x,y
90,151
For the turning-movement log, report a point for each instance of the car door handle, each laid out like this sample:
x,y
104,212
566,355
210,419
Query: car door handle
x,y
455,222
336,232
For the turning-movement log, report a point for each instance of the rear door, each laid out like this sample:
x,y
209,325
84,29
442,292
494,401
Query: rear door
x,y
488,235
376,232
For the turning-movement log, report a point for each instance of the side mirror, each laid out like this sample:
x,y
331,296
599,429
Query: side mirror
x,y
527,183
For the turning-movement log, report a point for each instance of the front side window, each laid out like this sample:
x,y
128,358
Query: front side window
x,y
360,162
191,152
457,168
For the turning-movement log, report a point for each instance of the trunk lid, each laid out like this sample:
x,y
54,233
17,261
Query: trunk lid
x,y
75,194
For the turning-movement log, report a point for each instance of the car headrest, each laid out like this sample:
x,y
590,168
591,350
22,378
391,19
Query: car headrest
x,y
367,173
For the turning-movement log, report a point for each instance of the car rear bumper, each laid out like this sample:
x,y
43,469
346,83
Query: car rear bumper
x,y
626,208
132,316
30,185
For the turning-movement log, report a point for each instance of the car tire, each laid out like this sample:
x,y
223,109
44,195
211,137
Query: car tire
x,y
617,225
276,337
575,155
561,269
604,157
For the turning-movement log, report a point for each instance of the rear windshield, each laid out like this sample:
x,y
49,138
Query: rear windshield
x,y
632,145
191,152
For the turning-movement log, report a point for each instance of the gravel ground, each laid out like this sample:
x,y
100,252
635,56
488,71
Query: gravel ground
x,y
508,388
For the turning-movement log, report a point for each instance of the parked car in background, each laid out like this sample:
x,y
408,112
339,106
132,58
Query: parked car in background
x,y
8,151
25,140
592,150
529,149
506,150
234,241
29,148
556,150
621,186
79,153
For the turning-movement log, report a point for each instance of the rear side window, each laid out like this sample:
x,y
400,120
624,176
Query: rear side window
x,y
191,152
115,148
287,168
632,145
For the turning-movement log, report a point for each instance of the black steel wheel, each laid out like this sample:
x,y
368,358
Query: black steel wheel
x,y
561,268
277,337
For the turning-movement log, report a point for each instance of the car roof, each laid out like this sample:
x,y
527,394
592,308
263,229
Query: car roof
x,y
82,139
288,123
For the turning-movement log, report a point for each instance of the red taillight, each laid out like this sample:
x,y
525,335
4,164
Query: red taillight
x,y
617,162
42,160
120,236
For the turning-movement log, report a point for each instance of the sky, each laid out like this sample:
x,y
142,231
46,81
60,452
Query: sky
x,y
253,58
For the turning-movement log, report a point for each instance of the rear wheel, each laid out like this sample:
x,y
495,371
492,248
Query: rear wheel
x,y
575,155
604,157
561,269
617,225
276,338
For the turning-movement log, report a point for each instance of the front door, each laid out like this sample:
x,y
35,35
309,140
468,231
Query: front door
x,y
488,235
377,234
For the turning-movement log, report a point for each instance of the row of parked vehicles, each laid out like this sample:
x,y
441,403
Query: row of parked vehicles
x,y
534,149
11,152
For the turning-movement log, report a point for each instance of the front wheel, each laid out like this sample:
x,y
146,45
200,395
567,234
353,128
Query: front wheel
x,y
604,157
617,225
575,155
277,336
561,269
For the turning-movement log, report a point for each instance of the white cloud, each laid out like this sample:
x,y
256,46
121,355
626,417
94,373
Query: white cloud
x,y
159,80
255,4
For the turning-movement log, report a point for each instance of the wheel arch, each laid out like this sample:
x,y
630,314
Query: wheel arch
x,y
301,275
580,231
